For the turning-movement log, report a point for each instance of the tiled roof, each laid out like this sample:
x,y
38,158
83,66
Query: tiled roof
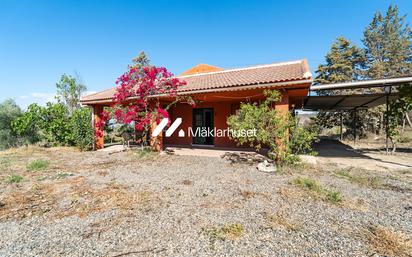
x,y
231,78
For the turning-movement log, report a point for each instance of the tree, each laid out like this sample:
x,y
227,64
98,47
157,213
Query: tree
x,y
344,62
9,110
69,91
50,124
388,50
387,41
140,61
81,128
140,83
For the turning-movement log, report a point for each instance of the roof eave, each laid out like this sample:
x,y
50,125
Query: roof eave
x,y
281,84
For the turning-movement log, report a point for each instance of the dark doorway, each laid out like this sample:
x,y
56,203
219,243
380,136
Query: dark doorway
x,y
203,119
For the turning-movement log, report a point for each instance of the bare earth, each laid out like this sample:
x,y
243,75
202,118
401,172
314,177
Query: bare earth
x,y
144,204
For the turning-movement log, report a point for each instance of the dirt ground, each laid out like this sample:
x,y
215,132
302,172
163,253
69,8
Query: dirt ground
x,y
62,202
368,155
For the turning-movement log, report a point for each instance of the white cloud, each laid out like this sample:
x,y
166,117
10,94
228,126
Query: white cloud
x,y
35,97
89,93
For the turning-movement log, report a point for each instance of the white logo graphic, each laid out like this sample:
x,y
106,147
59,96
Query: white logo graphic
x,y
159,128
200,131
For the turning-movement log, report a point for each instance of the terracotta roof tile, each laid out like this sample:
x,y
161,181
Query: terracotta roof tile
x,y
255,75
201,68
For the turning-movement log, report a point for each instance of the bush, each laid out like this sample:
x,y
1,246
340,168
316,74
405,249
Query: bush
x,y
53,126
82,134
9,110
49,124
272,129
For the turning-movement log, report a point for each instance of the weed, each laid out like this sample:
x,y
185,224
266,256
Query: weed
x,y
187,182
278,219
225,232
334,196
308,183
37,165
317,190
14,178
5,162
247,194
62,174
386,242
145,153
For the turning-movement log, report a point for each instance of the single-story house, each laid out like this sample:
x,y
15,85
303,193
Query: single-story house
x,y
218,93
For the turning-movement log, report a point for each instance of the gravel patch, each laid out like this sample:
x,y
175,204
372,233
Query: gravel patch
x,y
167,205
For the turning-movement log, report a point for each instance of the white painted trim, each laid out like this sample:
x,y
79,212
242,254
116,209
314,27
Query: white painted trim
x,y
365,83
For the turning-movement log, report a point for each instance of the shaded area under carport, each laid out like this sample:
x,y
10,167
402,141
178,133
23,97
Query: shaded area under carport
x,y
320,100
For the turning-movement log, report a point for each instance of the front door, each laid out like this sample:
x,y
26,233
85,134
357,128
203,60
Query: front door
x,y
203,119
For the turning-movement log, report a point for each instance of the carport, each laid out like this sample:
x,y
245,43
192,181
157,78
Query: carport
x,y
319,100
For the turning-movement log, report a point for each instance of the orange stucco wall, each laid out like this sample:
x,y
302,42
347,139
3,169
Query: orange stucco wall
x,y
222,110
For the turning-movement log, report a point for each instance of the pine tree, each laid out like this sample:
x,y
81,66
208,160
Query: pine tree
x,y
388,51
388,47
343,63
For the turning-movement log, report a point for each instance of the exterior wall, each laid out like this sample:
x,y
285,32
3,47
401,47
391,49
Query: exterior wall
x,y
99,141
222,110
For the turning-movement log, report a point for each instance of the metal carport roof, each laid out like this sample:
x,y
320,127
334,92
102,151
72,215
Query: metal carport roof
x,y
355,100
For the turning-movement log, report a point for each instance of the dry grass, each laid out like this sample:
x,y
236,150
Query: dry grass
x,y
316,189
38,200
279,220
187,182
388,243
247,194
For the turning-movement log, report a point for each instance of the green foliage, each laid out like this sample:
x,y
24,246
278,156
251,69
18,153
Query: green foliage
x,y
334,196
14,178
37,165
343,63
82,134
69,90
387,42
272,129
53,125
49,124
9,110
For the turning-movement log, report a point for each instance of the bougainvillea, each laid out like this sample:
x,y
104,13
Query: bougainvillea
x,y
137,97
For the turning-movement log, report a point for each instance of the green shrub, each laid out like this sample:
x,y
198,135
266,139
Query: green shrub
x,y
49,124
9,111
14,178
37,165
81,130
272,129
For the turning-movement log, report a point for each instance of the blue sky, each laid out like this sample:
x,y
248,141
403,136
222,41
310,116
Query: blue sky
x,y
40,40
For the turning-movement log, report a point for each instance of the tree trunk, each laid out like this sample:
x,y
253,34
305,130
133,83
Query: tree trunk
x,y
393,146
408,119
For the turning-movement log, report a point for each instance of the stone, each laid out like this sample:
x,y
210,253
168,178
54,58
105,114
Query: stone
x,y
265,166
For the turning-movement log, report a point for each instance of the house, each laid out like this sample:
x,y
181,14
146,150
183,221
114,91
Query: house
x,y
218,93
